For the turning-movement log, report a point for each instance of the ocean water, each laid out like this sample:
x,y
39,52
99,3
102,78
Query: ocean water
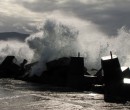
x,y
20,95
55,40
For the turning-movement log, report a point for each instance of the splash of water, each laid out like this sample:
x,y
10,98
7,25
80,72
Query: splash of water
x,y
13,47
120,45
55,40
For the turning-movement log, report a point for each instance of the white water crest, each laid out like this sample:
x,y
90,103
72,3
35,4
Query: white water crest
x,y
16,48
57,38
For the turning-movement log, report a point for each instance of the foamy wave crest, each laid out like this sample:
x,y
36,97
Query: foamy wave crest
x,y
19,49
120,44
55,40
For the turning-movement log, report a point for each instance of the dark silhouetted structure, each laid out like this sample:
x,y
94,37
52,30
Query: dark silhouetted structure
x,y
9,68
115,89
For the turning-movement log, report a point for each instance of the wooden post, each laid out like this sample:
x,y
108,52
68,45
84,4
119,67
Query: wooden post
x,y
111,54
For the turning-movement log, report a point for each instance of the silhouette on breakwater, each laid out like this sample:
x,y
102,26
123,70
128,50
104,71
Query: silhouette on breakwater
x,y
71,72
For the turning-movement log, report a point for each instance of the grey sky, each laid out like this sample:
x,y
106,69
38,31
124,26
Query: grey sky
x,y
23,15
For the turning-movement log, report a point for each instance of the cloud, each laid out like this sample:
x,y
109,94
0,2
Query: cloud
x,y
11,23
14,17
110,15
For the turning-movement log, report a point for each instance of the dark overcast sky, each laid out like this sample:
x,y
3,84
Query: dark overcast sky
x,y
24,15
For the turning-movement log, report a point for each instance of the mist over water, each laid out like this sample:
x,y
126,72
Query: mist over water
x,y
57,39
13,47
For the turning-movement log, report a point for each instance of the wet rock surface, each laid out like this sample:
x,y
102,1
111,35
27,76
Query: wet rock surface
x,y
20,95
